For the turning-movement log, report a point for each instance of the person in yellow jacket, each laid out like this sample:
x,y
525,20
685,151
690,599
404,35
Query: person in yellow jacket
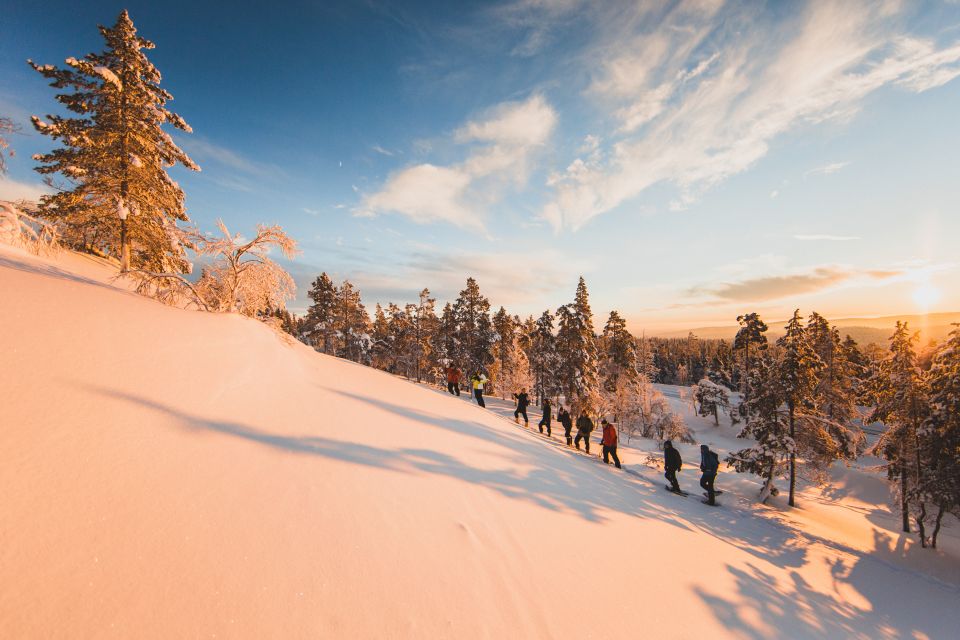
x,y
479,380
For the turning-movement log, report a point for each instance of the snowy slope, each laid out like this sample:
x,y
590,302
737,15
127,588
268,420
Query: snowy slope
x,y
176,474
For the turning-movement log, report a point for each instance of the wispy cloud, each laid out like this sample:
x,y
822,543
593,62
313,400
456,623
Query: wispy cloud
x,y
824,237
225,166
499,145
382,151
698,91
827,169
813,280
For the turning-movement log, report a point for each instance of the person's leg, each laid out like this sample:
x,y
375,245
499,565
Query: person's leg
x,y
711,497
526,420
456,387
586,442
671,475
516,415
576,441
480,398
616,459
450,388
549,432
566,433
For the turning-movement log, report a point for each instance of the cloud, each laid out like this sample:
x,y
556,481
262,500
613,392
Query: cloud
x,y
241,168
697,92
382,151
499,145
782,286
826,170
13,190
825,237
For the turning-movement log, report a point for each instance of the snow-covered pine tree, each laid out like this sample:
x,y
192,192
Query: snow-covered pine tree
x,y
834,392
646,359
319,328
577,354
474,331
712,399
381,346
618,355
768,425
543,357
797,371
750,341
424,323
901,404
720,370
352,324
448,348
503,354
116,154
939,435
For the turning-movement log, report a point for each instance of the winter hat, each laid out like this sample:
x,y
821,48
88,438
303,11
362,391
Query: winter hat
x,y
667,443
704,447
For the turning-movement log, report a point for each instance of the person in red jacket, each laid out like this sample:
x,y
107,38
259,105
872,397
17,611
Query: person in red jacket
x,y
610,443
453,380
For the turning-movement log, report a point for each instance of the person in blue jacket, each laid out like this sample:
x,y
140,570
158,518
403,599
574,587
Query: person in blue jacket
x,y
709,465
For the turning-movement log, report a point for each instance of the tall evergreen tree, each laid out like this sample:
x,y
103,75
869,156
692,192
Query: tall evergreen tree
x,y
381,347
474,330
116,154
319,324
900,391
577,353
750,341
618,355
449,349
351,323
424,324
939,435
797,372
543,356
503,351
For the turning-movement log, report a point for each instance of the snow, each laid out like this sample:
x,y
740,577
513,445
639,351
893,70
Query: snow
x,y
171,474
109,76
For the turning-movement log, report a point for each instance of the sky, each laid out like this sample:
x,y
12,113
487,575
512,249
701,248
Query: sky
x,y
692,160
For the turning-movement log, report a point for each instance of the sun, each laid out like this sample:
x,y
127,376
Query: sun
x,y
926,295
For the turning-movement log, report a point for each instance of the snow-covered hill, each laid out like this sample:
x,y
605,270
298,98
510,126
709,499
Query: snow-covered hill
x,y
175,474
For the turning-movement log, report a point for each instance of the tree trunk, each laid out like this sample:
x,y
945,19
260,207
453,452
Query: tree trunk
x,y
793,461
936,527
904,505
920,524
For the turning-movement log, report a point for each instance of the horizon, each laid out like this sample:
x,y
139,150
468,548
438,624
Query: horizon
x,y
693,161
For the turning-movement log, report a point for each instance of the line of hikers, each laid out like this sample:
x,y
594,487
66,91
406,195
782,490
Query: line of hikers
x,y
709,460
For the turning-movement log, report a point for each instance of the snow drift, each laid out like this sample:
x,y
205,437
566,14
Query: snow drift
x,y
172,474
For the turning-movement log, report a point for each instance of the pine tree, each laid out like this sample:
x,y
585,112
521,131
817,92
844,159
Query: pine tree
x,y
750,341
424,325
797,372
577,354
543,356
381,346
351,323
319,325
721,367
768,424
115,153
834,393
900,391
711,400
449,349
939,435
474,331
618,353
401,334
7,126
503,352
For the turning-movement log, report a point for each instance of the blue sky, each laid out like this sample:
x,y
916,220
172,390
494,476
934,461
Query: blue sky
x,y
693,160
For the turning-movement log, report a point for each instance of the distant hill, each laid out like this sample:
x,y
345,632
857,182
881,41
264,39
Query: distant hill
x,y
934,326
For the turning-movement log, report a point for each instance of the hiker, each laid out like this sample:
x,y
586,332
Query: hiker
x,y
453,380
564,417
523,401
671,463
479,379
609,443
709,464
545,419
584,427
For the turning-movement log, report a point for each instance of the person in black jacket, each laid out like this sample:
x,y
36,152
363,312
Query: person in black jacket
x,y
545,420
709,464
672,463
523,401
584,428
564,417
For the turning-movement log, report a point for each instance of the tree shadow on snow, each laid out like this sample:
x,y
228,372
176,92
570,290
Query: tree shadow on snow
x,y
49,270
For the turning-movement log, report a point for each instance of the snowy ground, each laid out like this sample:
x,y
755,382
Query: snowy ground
x,y
177,474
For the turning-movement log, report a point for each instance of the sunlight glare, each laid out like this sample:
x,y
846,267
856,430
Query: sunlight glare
x,y
926,295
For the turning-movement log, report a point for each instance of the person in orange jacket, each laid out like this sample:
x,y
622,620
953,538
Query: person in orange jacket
x,y
610,443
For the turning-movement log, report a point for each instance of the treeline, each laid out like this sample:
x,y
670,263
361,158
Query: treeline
x,y
799,398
